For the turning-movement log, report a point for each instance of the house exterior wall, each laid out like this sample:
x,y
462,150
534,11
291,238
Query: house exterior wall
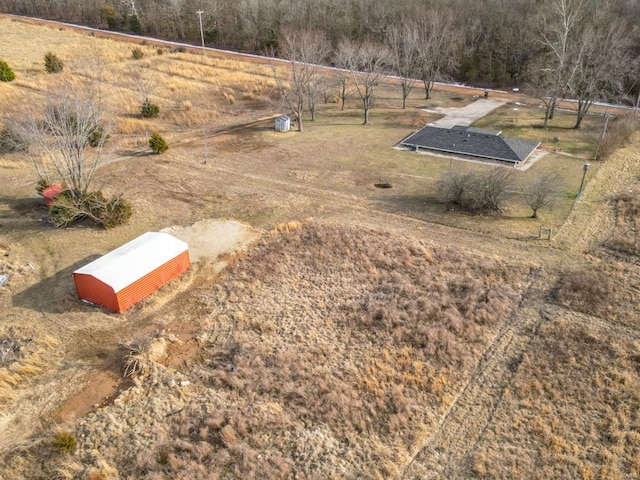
x,y
95,291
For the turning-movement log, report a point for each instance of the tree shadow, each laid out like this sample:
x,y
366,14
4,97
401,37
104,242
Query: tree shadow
x,y
540,126
54,294
23,214
419,206
136,153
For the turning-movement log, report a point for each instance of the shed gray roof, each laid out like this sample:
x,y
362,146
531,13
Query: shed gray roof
x,y
471,141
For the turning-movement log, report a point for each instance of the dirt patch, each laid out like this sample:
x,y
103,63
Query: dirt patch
x,y
211,238
101,387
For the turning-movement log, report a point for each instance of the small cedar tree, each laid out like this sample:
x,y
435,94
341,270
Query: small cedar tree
x,y
52,63
149,109
6,72
134,24
157,143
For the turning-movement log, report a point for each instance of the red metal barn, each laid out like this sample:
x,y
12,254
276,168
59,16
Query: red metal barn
x,y
123,277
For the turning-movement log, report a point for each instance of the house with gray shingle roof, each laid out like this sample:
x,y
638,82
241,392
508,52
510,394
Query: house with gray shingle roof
x,y
471,142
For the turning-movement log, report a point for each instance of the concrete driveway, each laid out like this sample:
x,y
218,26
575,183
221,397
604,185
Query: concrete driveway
x,y
465,115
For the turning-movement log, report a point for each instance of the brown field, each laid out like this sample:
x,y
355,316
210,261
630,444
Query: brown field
x,y
370,333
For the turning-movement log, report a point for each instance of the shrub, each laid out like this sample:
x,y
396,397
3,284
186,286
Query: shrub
x,y
149,109
116,211
64,212
98,137
157,143
108,213
6,73
134,24
137,53
476,192
52,63
65,442
42,185
12,141
109,14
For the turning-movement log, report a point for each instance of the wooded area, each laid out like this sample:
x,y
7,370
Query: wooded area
x,y
584,49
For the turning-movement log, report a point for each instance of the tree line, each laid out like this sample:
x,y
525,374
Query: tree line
x,y
586,50
499,42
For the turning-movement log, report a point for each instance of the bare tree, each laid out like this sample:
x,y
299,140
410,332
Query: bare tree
x,y
601,64
366,62
540,82
404,55
328,87
558,38
141,81
344,58
439,45
541,192
319,55
67,140
312,95
305,50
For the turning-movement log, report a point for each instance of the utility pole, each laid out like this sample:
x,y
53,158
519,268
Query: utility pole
x,y
199,12
604,133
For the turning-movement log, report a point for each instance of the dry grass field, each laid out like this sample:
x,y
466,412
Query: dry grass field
x,y
370,333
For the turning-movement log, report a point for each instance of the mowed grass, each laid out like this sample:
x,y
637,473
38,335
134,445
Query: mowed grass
x,y
526,122
338,153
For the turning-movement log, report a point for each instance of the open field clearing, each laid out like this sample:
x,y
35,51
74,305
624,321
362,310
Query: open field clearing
x,y
329,328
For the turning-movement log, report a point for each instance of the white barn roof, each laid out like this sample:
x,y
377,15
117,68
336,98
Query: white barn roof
x,y
132,261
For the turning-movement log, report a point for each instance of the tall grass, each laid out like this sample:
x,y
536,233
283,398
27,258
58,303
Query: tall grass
x,y
571,411
334,352
605,289
625,238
